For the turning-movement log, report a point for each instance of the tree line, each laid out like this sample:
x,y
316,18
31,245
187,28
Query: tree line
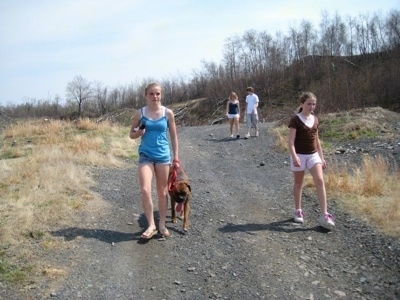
x,y
347,62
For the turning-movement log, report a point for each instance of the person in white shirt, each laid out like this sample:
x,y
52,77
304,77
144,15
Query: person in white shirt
x,y
251,111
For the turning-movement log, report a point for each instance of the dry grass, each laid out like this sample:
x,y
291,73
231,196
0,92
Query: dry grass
x,y
369,191
281,135
45,179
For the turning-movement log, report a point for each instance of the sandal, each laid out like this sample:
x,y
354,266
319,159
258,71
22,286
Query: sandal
x,y
148,234
164,232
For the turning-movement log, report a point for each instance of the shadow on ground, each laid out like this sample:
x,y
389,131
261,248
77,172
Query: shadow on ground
x,y
280,226
104,235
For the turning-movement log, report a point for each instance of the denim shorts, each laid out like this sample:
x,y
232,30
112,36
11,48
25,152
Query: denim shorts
x,y
144,159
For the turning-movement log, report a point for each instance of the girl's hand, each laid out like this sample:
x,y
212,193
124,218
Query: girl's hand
x,y
140,132
176,163
323,164
296,161
136,133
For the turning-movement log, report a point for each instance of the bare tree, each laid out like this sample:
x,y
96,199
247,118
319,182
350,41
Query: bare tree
x,y
79,90
100,97
393,28
333,35
231,60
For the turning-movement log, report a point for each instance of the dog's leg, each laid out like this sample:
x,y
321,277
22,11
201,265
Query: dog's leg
x,y
186,216
173,213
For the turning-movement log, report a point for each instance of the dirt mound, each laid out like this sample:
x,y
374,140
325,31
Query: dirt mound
x,y
374,119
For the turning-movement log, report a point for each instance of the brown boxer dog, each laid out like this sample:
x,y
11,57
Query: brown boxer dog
x,y
180,194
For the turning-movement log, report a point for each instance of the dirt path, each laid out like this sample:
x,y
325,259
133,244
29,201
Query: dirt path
x,y
242,243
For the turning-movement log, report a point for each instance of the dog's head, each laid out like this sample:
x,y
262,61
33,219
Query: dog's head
x,y
181,191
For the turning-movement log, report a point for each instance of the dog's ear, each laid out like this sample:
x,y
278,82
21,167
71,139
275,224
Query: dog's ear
x,y
189,187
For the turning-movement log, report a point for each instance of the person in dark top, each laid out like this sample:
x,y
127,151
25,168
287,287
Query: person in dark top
x,y
233,114
306,153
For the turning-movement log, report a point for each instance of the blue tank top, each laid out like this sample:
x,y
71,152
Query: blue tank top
x,y
154,142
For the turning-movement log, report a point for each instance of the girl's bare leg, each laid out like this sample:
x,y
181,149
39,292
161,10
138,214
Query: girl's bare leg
x,y
231,126
298,188
161,172
236,123
145,178
318,177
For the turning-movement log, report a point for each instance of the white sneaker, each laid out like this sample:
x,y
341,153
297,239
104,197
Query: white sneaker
x,y
298,216
327,221
231,135
247,136
257,134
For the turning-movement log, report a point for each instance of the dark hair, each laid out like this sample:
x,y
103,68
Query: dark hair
x,y
250,89
303,98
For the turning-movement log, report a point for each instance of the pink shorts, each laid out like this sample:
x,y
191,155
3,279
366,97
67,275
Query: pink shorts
x,y
307,161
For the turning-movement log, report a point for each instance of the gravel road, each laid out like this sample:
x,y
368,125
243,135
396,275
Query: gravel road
x,y
242,243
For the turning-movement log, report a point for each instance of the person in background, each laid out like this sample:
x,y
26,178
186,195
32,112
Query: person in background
x,y
251,111
152,123
232,112
306,154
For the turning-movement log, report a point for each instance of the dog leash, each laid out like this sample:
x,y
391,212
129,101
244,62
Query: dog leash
x,y
172,179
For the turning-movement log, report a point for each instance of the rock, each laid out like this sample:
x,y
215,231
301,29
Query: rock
x,y
340,293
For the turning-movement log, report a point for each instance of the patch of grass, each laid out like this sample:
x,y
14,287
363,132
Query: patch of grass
x,y
13,273
332,135
86,124
78,203
37,235
281,134
45,179
356,124
10,152
357,133
369,191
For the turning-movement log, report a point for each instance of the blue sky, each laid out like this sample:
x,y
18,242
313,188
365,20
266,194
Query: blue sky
x,y
46,43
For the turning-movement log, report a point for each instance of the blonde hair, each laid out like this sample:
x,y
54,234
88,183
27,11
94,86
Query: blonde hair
x,y
233,95
303,98
151,85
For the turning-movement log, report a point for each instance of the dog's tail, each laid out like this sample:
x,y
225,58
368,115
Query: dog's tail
x,y
172,179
